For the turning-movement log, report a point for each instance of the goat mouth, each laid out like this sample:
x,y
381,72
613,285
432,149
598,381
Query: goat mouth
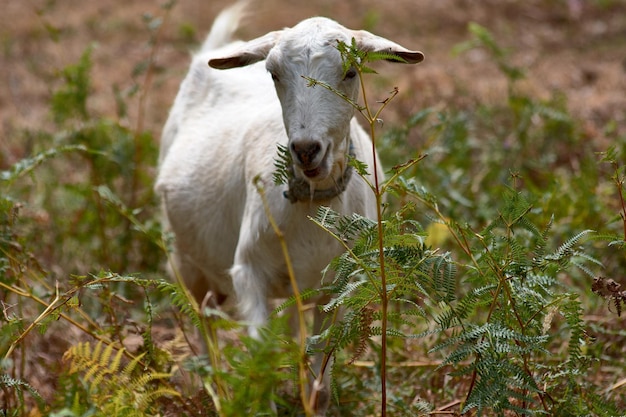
x,y
316,172
312,173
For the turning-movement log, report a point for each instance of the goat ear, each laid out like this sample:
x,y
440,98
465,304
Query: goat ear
x,y
247,53
369,42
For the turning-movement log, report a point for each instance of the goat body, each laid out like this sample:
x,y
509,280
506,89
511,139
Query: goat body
x,y
223,132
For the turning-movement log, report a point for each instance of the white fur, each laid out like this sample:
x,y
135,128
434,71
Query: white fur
x,y
223,131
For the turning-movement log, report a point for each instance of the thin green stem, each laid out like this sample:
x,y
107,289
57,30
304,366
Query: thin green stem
x,y
619,183
302,378
399,170
51,307
379,190
384,299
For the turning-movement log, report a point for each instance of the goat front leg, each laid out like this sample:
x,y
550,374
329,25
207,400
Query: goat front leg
x,y
320,393
251,297
251,292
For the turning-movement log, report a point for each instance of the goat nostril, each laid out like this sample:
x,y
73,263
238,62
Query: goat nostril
x,y
306,151
314,149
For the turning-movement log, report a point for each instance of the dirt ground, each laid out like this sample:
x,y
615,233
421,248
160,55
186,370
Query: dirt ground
x,y
574,46
577,47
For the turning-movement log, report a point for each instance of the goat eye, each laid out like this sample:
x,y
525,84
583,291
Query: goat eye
x,y
274,77
350,74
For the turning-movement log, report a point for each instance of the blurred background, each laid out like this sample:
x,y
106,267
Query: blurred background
x,y
576,47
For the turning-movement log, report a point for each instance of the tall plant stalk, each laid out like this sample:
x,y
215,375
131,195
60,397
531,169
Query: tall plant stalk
x,y
384,299
302,377
356,59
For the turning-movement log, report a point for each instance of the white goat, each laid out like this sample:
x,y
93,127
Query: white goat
x,y
223,131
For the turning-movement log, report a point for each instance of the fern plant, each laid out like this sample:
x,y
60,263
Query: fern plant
x,y
117,390
499,334
413,272
504,327
17,387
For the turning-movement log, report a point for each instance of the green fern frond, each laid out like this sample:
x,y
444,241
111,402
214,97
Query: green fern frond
x,y
444,277
345,227
384,56
411,310
572,311
461,353
501,385
566,249
27,165
475,298
540,247
445,318
364,323
360,166
586,257
283,164
490,337
7,383
526,224
345,268
180,298
347,290
352,328
584,268
513,215
353,56
305,294
497,223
